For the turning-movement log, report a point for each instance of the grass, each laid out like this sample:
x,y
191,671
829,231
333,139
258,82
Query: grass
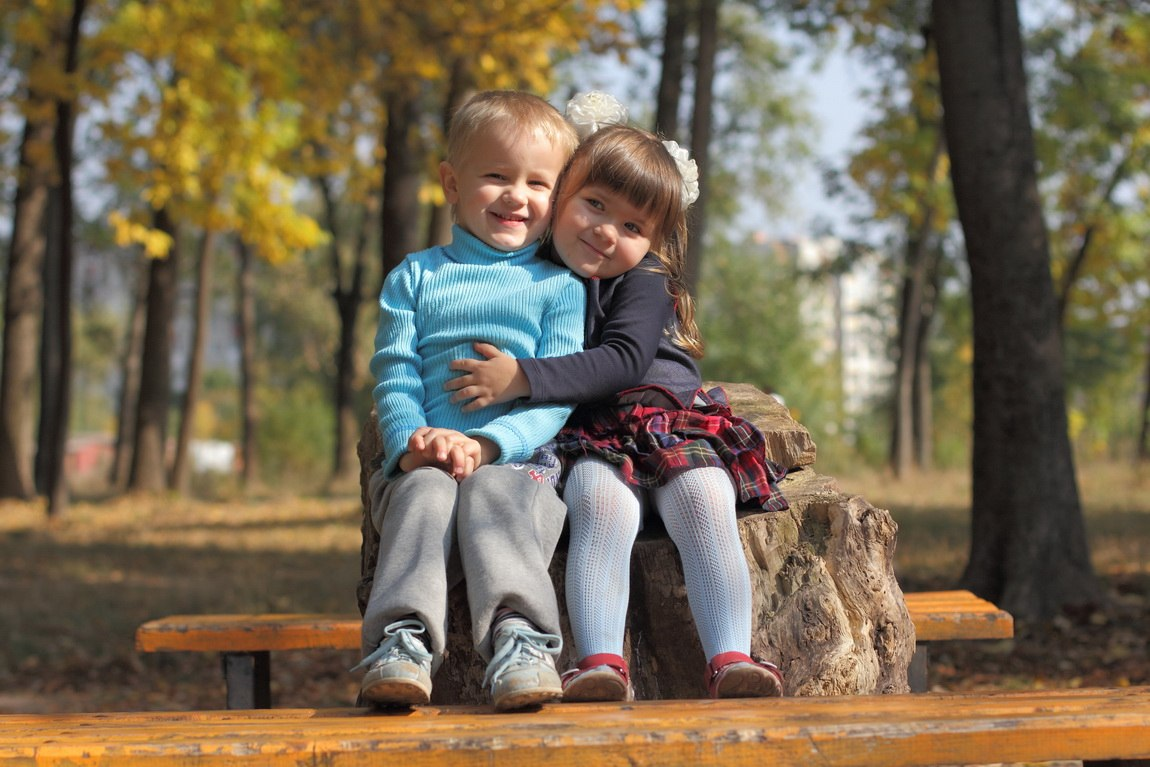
x,y
75,590
80,586
933,513
1106,647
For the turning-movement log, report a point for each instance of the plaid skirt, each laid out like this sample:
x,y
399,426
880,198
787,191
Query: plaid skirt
x,y
652,437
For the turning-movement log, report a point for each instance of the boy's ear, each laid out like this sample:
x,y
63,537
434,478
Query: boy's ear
x,y
449,181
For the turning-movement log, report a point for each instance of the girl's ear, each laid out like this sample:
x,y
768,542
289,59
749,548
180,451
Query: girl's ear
x,y
449,181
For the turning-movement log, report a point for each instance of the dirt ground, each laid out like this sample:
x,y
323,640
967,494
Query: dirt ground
x,y
74,591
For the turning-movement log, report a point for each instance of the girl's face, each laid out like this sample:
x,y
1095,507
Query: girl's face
x,y
599,233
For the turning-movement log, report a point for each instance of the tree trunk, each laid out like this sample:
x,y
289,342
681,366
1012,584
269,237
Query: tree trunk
x,y
56,394
348,295
51,345
923,377
246,306
702,125
402,176
149,464
1144,432
1028,544
458,88
911,332
826,606
906,360
23,313
671,73
911,327
130,382
201,331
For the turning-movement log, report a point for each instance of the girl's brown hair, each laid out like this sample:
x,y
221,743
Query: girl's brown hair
x,y
633,163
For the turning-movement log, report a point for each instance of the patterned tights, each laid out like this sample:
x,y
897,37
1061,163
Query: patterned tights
x,y
698,509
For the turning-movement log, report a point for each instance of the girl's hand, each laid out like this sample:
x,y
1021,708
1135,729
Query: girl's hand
x,y
489,381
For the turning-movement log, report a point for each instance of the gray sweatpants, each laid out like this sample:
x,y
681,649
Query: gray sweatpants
x,y
497,530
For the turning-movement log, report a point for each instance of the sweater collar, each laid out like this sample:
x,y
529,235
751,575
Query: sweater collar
x,y
467,248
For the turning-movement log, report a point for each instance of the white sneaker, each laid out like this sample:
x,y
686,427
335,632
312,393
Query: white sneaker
x,y
522,671
399,671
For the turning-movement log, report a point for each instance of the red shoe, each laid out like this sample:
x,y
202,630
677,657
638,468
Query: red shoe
x,y
735,675
599,677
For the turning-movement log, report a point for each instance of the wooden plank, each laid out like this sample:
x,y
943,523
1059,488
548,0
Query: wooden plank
x,y
892,731
944,615
936,615
244,633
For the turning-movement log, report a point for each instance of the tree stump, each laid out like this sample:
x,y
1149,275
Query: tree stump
x,y
827,608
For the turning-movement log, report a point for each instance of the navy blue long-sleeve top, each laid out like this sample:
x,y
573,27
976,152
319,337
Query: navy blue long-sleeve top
x,y
629,326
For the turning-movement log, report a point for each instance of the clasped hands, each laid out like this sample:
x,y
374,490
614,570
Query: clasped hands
x,y
452,451
495,378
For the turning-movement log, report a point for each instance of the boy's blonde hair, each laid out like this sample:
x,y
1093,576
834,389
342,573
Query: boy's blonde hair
x,y
635,164
508,111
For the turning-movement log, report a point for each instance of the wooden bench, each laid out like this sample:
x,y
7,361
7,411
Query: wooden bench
x,y
245,642
940,616
841,731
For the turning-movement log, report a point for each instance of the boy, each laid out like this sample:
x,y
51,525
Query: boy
x,y
459,494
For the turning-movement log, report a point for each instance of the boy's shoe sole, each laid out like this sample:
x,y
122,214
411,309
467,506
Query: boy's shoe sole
x,y
396,684
518,699
531,685
521,672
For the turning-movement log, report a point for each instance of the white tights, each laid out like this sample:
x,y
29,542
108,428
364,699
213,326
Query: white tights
x,y
698,509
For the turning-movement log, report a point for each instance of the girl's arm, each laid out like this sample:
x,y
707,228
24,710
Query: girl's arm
x,y
637,308
527,425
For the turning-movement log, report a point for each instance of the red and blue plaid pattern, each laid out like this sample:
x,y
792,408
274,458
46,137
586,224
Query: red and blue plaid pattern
x,y
652,437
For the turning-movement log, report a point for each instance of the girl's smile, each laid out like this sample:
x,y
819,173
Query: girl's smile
x,y
599,233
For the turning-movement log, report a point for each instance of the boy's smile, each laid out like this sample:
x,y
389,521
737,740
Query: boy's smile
x,y
502,188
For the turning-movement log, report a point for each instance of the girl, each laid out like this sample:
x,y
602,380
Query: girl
x,y
644,431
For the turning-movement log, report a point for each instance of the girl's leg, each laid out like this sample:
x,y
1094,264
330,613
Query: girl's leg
x,y
698,508
604,513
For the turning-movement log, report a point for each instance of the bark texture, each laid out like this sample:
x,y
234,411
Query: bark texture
x,y
149,467
827,607
23,314
1028,540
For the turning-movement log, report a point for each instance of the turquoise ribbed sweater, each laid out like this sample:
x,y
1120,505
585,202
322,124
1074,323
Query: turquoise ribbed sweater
x,y
438,302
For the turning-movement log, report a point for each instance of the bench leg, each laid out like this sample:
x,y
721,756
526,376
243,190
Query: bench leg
x,y
247,676
916,674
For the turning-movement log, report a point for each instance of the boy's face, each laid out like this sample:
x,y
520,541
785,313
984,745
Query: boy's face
x,y
501,188
599,233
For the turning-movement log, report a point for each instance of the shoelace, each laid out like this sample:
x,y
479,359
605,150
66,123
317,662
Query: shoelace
x,y
401,636
523,641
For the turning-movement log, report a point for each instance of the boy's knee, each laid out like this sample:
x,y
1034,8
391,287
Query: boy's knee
x,y
486,477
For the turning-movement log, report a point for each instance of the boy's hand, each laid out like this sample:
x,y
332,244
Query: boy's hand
x,y
494,379
454,452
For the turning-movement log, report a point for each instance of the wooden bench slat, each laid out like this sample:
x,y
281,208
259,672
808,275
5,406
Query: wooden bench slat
x,y
936,616
246,633
894,731
957,615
